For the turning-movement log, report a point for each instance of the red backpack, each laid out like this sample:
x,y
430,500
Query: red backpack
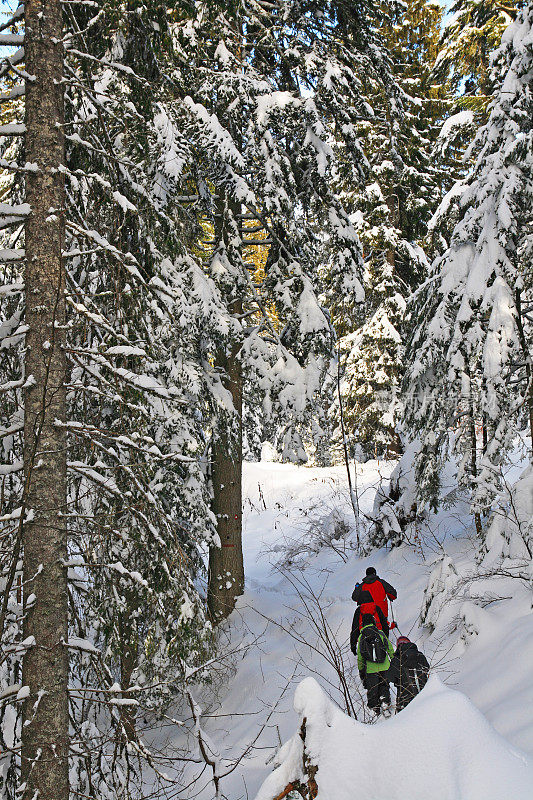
x,y
369,608
379,595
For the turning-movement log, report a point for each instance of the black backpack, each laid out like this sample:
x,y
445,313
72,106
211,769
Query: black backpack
x,y
414,669
373,646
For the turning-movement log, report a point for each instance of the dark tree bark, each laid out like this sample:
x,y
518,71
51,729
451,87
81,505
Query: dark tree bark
x,y
129,659
528,368
354,499
226,565
472,438
45,730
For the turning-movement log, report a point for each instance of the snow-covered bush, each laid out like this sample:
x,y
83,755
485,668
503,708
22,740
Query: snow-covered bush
x,y
454,598
442,583
475,621
396,508
509,538
325,523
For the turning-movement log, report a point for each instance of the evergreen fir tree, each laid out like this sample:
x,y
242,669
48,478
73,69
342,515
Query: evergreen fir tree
x,y
139,314
470,36
470,356
401,190
262,90
372,371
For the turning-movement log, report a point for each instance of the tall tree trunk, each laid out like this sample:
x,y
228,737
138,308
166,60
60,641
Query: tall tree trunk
x,y
472,437
129,659
473,467
527,358
394,447
354,498
44,763
226,565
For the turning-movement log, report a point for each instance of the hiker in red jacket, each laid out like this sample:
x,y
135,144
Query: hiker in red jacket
x,y
367,607
378,588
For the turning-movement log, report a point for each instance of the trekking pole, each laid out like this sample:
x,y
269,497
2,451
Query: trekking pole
x,y
395,624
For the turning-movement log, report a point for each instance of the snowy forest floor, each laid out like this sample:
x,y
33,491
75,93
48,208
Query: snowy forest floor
x,y
249,710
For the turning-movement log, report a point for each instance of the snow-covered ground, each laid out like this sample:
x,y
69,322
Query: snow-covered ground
x,y
488,656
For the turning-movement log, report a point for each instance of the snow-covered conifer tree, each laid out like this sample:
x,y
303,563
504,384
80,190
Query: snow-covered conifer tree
x,y
144,312
262,90
139,310
473,31
469,383
401,189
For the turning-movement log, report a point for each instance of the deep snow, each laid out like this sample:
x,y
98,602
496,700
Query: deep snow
x,y
440,747
490,662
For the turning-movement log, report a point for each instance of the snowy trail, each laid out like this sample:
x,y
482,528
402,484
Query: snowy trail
x,y
257,701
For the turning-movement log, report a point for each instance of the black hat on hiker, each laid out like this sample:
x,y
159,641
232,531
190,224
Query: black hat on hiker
x,y
370,571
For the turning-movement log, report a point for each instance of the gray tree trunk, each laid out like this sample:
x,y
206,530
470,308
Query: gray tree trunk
x,y
44,763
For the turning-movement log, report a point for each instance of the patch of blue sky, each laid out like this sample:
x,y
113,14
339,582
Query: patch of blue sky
x,y
7,8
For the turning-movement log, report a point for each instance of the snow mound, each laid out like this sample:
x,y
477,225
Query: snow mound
x,y
439,747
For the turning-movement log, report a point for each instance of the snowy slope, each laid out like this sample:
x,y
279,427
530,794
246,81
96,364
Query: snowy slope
x,y
251,712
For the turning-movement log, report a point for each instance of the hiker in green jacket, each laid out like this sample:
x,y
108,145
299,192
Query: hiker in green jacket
x,y
374,654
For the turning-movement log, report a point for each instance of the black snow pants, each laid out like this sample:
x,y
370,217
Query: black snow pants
x,y
377,689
